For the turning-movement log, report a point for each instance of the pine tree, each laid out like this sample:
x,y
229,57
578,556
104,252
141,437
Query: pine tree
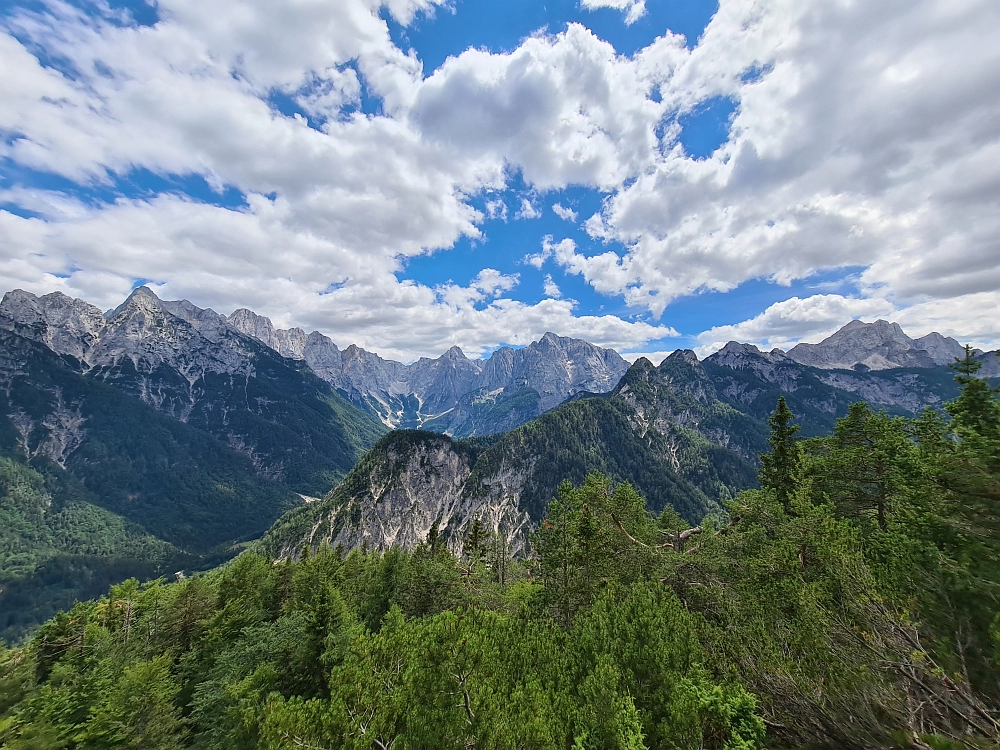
x,y
779,468
976,410
475,540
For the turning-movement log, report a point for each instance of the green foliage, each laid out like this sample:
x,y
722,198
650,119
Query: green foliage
x,y
36,526
976,411
57,546
779,469
96,485
860,610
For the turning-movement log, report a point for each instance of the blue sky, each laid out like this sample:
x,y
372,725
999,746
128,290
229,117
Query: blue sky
x,y
413,174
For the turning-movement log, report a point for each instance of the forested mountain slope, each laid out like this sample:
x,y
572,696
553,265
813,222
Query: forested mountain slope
x,y
662,429
191,365
147,426
852,602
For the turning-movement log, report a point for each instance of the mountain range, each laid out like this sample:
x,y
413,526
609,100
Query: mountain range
x,y
877,346
452,393
686,433
160,435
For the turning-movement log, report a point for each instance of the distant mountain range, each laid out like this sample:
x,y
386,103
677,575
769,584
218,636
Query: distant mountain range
x,y
877,346
452,393
161,434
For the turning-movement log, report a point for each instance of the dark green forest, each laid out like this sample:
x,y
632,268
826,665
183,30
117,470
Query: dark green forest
x,y
97,485
850,602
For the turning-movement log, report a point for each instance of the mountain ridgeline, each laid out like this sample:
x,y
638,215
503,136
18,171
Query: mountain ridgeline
x,y
852,602
161,436
686,434
452,393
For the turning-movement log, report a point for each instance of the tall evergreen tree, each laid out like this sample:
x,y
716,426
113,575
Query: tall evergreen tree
x,y
779,468
976,410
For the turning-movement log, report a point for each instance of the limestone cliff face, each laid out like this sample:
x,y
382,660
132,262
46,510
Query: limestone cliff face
x,y
452,393
289,343
65,325
144,330
876,346
408,484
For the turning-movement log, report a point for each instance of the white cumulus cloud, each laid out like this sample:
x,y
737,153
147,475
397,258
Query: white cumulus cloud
x,y
564,213
551,288
633,9
864,135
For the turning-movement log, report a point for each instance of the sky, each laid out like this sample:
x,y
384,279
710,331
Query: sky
x,y
409,175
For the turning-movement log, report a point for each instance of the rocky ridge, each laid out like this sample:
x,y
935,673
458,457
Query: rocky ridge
x,y
409,483
190,364
876,346
451,393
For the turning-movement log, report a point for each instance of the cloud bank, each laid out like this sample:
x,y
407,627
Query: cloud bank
x,y
864,135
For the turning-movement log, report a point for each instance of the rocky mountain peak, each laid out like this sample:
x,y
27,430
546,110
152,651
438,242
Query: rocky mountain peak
x,y
736,355
251,324
682,355
141,300
943,349
739,356
291,342
873,346
642,365
64,324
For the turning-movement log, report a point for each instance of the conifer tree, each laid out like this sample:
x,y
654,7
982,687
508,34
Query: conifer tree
x,y
779,468
976,410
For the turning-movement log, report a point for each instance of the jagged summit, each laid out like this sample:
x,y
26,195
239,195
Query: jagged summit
x,y
65,325
450,393
681,355
876,346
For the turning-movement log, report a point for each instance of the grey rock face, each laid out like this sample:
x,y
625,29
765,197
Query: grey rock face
x,y
774,366
450,393
875,346
943,350
289,343
144,330
557,367
65,325
904,390
187,339
399,492
991,364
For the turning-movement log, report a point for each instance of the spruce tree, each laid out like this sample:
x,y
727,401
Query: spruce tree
x,y
779,468
976,410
